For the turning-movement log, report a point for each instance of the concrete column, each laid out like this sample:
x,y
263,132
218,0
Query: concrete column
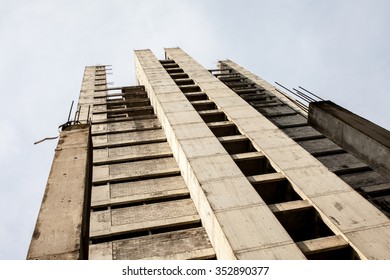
x,y
61,231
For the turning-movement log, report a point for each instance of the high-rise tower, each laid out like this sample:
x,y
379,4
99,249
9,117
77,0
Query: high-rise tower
x,y
203,164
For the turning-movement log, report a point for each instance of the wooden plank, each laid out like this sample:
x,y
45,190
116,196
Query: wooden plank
x,y
247,156
209,112
201,102
266,178
295,205
232,138
322,244
220,124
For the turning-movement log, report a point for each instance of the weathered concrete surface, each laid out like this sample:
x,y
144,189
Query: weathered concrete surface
x,y
89,85
137,191
222,194
131,153
128,138
60,231
139,170
182,244
343,210
318,147
302,132
125,126
339,162
142,217
366,140
139,202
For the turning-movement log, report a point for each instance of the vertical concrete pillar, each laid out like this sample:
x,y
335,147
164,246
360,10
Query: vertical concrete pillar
x,y
61,229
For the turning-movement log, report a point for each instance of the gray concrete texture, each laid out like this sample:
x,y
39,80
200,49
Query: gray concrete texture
x,y
60,231
366,140
186,166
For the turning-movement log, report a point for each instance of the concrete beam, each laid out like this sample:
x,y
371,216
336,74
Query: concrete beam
x,y
366,140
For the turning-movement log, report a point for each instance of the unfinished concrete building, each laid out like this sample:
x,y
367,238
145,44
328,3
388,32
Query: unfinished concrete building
x,y
212,164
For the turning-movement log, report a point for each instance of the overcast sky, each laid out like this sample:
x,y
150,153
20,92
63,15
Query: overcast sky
x,y
338,49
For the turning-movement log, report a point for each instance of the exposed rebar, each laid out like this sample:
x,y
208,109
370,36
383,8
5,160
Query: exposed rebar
x,y
311,93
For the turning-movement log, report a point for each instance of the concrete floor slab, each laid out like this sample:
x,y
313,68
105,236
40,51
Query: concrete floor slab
x,y
287,121
176,106
270,139
374,242
231,193
258,228
283,252
316,181
187,117
202,147
349,212
255,124
214,168
234,101
290,158
240,112
302,132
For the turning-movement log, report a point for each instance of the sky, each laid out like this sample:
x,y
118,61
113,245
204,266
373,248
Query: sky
x,y
338,49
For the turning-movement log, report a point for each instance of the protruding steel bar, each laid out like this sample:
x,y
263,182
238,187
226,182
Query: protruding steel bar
x,y
78,114
70,111
292,92
89,109
296,102
311,93
304,95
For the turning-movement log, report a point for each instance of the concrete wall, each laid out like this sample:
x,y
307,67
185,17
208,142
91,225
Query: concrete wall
x,y
61,228
366,140
227,203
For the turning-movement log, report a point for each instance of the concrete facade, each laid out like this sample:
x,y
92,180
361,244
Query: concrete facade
x,y
364,139
199,164
62,225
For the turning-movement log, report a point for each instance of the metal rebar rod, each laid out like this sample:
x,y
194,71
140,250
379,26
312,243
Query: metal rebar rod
x,y
78,114
291,92
311,93
301,97
70,111
296,102
89,108
304,95
74,118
